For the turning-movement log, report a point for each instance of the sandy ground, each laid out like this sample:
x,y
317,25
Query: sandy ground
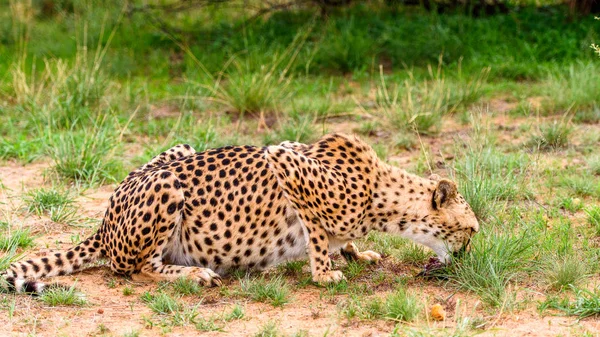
x,y
109,312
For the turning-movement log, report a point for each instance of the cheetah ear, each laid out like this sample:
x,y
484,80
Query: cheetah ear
x,y
444,193
434,177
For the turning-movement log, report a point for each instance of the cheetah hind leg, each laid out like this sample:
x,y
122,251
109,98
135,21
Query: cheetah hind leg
x,y
166,219
351,253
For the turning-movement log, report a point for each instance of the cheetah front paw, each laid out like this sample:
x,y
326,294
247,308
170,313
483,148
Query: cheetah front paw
x,y
331,276
207,277
369,256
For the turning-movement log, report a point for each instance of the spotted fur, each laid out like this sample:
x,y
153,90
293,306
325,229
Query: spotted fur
x,y
200,214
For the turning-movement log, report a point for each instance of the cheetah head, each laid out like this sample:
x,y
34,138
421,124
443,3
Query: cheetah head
x,y
445,223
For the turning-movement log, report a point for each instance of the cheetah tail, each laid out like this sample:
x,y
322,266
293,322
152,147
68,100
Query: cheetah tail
x,y
21,277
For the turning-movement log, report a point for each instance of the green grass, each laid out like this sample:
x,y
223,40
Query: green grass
x,y
208,325
488,178
57,296
401,307
353,269
563,272
581,185
161,303
43,200
552,136
128,291
274,290
131,334
269,329
9,254
384,244
20,238
420,106
570,204
397,306
496,259
586,303
413,254
292,268
593,218
299,128
56,203
594,165
18,145
575,88
247,86
403,250
237,312
86,156
185,286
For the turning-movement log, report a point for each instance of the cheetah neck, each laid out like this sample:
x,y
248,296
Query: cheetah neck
x,y
402,204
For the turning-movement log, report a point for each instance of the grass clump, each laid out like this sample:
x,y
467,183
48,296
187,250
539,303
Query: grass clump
x,y
8,256
563,272
274,291
488,177
207,325
413,254
17,145
570,204
494,261
244,91
401,306
236,313
244,87
384,244
161,303
268,330
62,296
581,185
593,218
185,286
128,291
586,303
420,106
398,306
594,165
299,128
19,238
575,88
86,156
65,94
552,136
353,269
58,204
132,334
291,268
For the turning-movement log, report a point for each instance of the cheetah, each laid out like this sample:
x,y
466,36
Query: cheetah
x,y
199,214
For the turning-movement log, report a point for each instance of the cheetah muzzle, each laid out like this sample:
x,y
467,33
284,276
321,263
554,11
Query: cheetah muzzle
x,y
197,214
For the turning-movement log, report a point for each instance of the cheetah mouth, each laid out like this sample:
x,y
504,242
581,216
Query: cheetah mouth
x,y
432,269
